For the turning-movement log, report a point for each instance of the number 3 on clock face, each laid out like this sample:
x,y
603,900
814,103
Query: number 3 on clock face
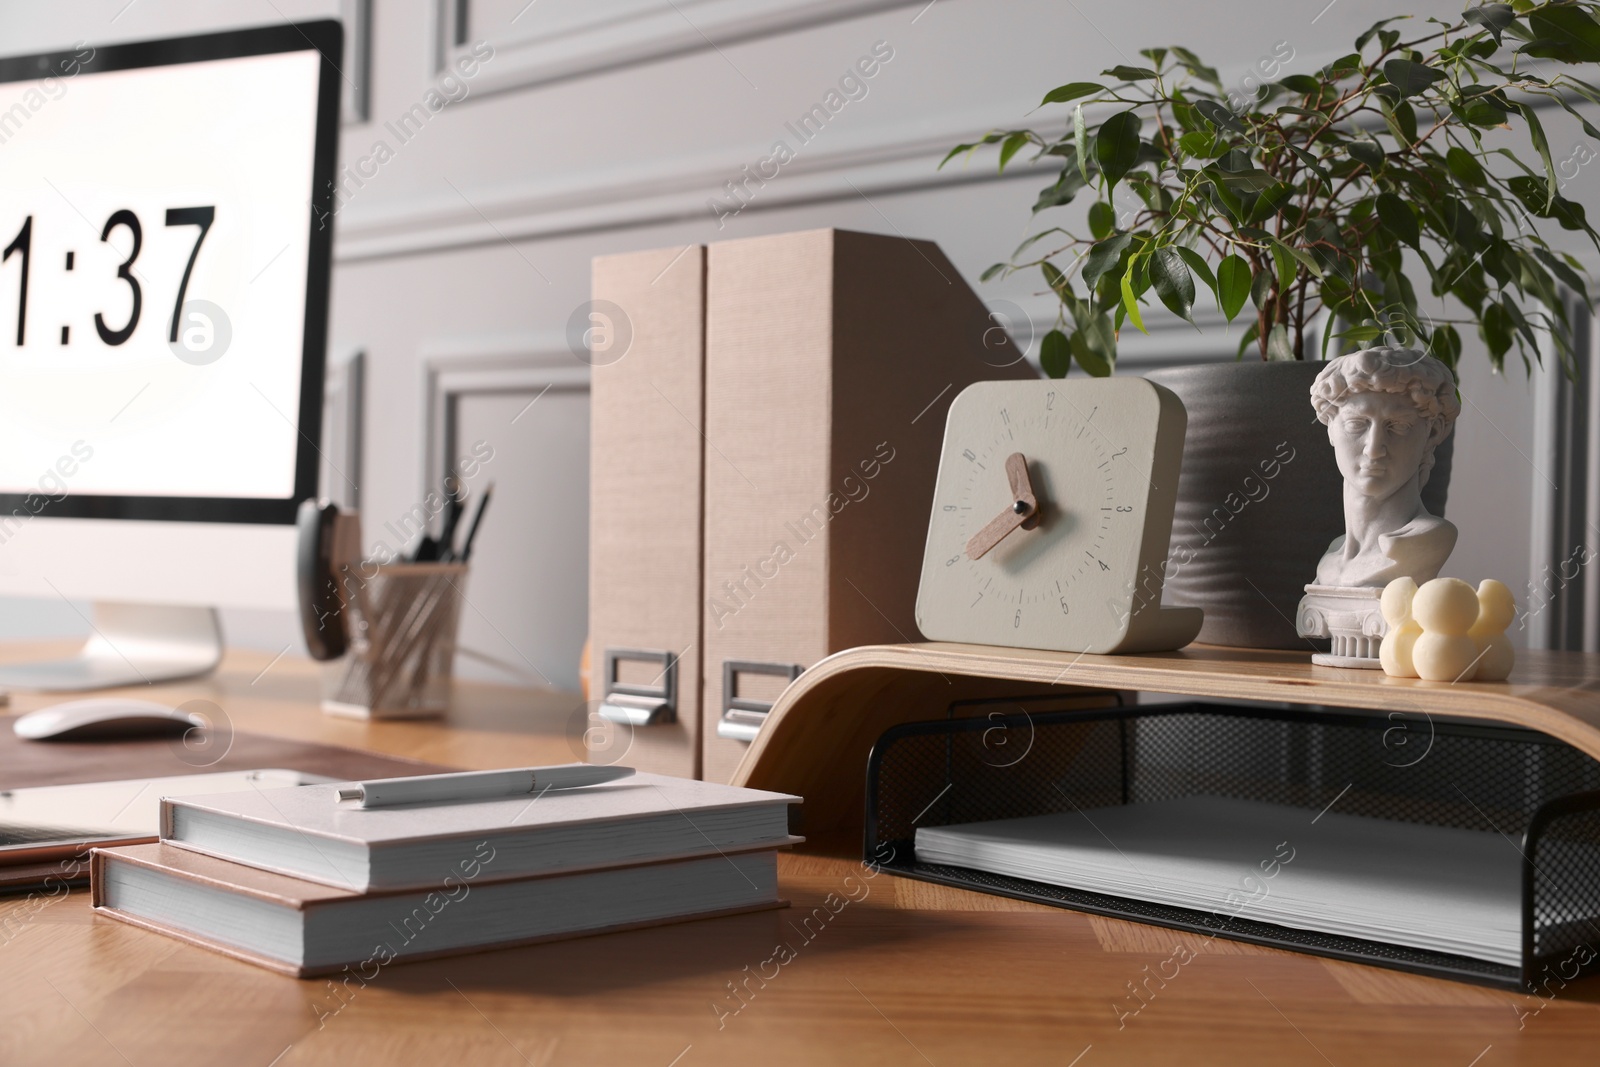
x,y
1052,515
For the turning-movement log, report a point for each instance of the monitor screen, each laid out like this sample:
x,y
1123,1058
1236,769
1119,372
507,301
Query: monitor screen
x,y
163,287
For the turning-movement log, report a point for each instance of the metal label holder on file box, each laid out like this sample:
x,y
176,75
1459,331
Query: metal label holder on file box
x,y
640,705
741,716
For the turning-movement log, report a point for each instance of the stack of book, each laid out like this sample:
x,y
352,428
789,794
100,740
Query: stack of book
x,y
300,881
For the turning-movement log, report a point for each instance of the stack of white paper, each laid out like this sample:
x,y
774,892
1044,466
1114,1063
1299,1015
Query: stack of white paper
x,y
1426,887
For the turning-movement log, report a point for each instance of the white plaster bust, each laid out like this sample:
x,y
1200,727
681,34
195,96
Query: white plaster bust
x,y
1386,410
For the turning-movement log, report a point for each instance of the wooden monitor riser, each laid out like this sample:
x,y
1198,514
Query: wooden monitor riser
x,y
820,732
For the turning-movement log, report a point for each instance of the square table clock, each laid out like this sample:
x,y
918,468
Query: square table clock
x,y
1052,516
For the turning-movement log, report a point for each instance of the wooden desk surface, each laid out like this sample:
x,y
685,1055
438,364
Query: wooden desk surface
x,y
886,971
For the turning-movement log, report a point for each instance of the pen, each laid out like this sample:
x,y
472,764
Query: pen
x,y
477,785
447,535
477,517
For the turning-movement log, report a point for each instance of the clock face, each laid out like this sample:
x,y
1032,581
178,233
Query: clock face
x,y
1040,514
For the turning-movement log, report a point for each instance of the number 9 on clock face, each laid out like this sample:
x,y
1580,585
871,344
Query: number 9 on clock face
x,y
1052,515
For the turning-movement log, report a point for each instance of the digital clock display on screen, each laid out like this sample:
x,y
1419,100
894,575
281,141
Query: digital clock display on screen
x,y
155,224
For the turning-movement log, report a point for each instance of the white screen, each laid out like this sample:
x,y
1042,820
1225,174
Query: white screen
x,y
234,135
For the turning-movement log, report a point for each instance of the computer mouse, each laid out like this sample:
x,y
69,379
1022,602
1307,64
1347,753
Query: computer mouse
x,y
104,718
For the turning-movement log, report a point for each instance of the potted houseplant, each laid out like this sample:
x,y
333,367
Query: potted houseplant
x,y
1324,211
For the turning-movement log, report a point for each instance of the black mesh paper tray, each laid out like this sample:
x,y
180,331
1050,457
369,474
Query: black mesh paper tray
x,y
1541,794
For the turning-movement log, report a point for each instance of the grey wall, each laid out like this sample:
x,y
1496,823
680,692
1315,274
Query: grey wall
x,y
606,125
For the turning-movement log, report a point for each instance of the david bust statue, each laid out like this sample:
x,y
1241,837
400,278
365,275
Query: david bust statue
x,y
1386,410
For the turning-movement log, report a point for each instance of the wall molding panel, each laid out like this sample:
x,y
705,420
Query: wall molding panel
x,y
343,427
605,39
356,95
457,367
1563,600
618,200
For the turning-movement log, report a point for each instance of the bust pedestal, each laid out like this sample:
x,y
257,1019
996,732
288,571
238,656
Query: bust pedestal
x,y
1350,617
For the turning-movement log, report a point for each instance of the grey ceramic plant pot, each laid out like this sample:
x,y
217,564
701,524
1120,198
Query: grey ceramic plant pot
x,y
1259,498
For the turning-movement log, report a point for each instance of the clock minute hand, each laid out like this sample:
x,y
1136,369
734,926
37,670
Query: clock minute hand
x,y
1023,511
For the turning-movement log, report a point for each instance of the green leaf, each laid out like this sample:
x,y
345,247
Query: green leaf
x,y
1445,346
1366,150
1271,200
1080,139
1091,361
1062,94
1102,219
1011,147
1495,327
1482,110
1563,271
1402,122
991,272
1342,66
1198,264
1372,31
1540,143
1226,199
1304,258
1582,88
1492,17
1086,350
1055,279
1588,127
1055,354
1311,162
961,148
1398,218
1304,84
1199,144
1260,287
1035,239
1102,257
1116,146
1520,323
1062,191
1251,332
1192,64
1412,79
1287,268
1130,302
1233,284
1564,32
1569,213
1464,166
1249,181
1278,343
1173,283
1532,192
1362,334
1219,116
1130,74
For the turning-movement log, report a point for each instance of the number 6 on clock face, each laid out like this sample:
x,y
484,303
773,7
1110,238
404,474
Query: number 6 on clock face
x,y
1052,515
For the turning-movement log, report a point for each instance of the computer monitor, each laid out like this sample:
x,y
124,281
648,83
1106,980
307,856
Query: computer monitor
x,y
165,227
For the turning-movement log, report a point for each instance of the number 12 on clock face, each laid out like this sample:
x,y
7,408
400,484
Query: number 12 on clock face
x,y
1052,515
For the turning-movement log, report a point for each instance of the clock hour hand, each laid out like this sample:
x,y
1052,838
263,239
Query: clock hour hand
x,y
1022,488
1022,512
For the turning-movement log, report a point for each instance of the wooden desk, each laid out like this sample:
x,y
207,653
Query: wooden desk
x,y
893,971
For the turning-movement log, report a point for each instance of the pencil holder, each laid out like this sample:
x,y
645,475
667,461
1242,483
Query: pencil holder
x,y
402,623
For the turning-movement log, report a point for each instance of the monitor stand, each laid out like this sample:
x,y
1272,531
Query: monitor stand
x,y
132,644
